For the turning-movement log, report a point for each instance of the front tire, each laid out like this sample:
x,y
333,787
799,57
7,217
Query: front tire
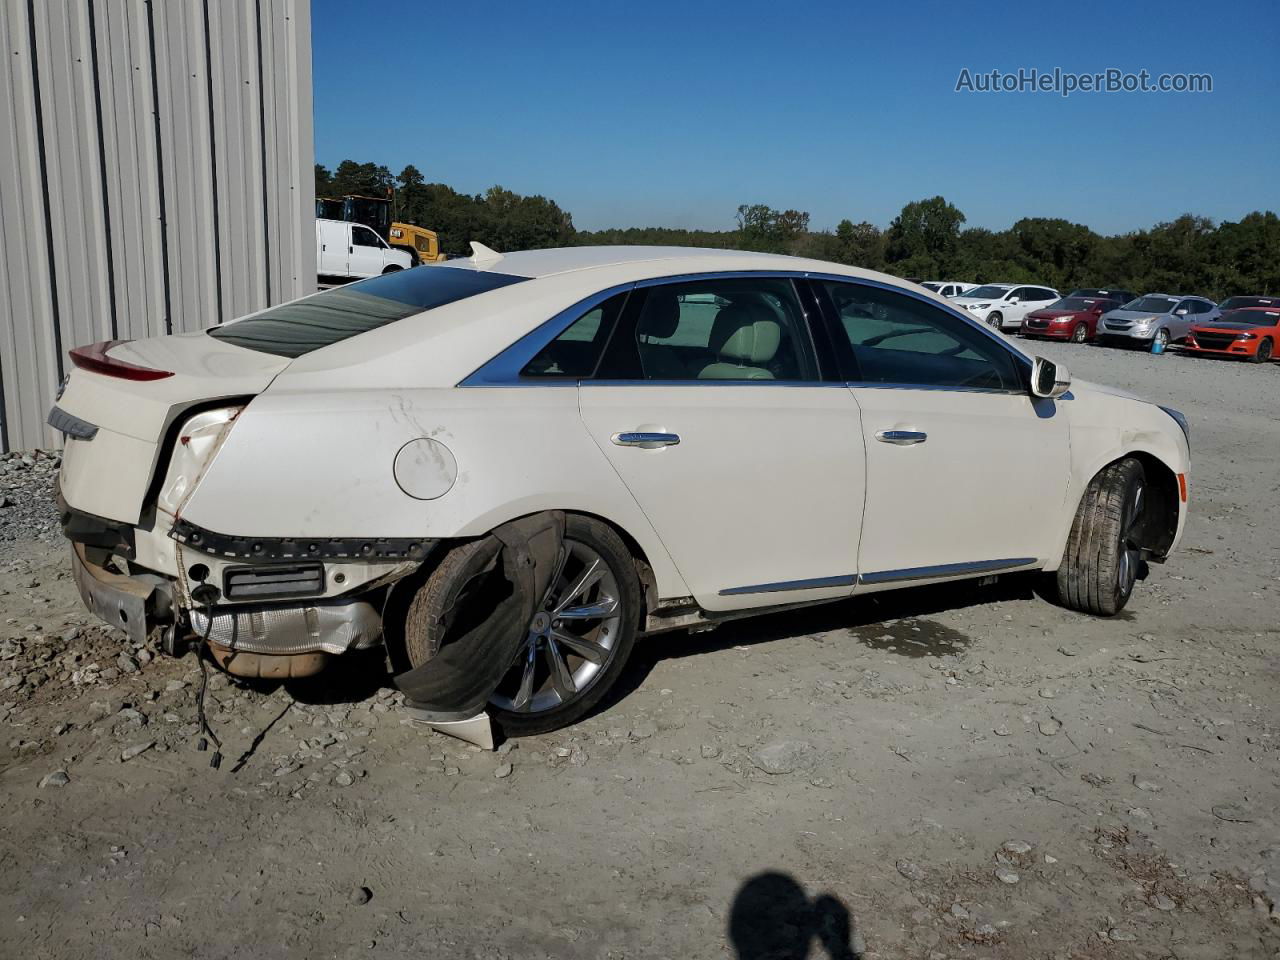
x,y
1102,561
1080,333
1263,353
996,320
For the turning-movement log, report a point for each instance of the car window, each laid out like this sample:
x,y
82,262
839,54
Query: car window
x,y
719,329
899,339
1020,293
364,237
1043,293
575,353
296,328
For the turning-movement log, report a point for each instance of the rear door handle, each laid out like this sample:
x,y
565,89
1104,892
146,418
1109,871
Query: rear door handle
x,y
646,440
902,438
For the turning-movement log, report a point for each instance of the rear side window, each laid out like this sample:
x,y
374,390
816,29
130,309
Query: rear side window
x,y
574,354
294,329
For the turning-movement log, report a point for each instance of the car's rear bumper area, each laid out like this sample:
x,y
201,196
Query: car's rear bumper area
x,y
132,603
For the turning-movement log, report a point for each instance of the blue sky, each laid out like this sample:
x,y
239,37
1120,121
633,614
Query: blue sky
x,y
654,113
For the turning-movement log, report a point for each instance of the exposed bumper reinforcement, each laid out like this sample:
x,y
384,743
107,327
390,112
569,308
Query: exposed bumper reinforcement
x,y
477,730
322,627
125,602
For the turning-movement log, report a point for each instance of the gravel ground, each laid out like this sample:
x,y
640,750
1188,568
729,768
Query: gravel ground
x,y
931,774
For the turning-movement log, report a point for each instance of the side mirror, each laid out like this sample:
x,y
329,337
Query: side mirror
x,y
1180,312
1049,380
1013,301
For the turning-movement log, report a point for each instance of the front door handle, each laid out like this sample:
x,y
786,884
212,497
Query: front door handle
x,y
648,441
902,438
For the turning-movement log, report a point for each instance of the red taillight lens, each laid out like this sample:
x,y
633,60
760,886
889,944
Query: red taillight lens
x,y
94,357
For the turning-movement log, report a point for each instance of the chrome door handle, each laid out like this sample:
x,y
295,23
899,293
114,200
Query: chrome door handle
x,y
649,440
903,438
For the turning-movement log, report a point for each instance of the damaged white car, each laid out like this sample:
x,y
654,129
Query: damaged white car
x,y
508,468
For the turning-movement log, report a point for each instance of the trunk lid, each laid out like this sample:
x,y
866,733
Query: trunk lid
x,y
109,474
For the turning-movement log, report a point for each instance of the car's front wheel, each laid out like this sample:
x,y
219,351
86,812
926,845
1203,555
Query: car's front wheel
x,y
996,320
1080,333
1263,353
578,641
1103,560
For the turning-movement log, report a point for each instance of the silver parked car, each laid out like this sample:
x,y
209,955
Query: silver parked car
x,y
1155,316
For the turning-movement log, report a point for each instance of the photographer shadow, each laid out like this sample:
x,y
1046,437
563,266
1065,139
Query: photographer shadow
x,y
773,919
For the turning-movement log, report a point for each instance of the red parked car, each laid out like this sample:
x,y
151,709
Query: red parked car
x,y
1071,318
1252,333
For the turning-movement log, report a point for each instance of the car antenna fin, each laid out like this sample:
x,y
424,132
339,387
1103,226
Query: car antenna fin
x,y
482,255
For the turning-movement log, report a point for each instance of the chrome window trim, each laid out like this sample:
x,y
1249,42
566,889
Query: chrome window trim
x,y
971,568
503,370
813,583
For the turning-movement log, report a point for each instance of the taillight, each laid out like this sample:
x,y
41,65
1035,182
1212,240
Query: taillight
x,y
94,357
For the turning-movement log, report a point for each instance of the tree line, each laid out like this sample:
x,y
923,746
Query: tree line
x,y
928,239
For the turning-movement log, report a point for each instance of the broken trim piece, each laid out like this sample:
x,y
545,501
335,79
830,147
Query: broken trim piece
x,y
291,548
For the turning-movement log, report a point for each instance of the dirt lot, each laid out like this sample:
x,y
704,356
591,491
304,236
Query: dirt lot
x,y
939,773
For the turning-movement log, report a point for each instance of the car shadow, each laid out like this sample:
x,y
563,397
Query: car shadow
x,y
773,919
912,635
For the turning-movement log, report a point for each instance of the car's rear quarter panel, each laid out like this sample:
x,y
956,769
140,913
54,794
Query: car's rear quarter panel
x,y
322,465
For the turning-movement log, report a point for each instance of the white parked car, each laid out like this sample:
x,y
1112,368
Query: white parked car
x,y
346,249
947,288
1004,305
508,467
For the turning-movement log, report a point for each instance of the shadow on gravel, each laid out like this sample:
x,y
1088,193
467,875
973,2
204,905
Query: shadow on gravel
x,y
864,617
772,919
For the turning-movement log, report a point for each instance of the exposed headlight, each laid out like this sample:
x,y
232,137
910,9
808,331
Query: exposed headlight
x,y
1181,421
979,306
1246,336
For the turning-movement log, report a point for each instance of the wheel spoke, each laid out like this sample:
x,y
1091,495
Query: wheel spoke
x,y
554,582
594,571
561,675
590,611
521,700
587,649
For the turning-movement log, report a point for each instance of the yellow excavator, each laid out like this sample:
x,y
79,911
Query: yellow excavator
x,y
422,245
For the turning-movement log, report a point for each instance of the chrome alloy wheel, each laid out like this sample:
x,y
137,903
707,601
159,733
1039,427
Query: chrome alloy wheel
x,y
1130,560
570,640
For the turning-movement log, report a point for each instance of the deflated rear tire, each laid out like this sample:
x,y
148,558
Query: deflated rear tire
x,y
1102,560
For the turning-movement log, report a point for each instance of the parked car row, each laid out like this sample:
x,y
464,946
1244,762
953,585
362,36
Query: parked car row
x,y
1239,326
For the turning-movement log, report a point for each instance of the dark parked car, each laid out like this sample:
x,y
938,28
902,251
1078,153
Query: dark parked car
x,y
1071,318
1240,303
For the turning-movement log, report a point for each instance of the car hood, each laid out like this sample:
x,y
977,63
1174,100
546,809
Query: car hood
x,y
1055,314
1133,314
1228,325
1106,390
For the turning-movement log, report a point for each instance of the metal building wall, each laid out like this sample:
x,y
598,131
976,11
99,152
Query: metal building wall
x,y
156,176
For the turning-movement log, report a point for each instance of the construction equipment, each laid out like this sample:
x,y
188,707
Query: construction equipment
x,y
422,245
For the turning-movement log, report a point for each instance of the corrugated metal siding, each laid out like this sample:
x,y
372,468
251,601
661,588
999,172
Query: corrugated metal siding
x,y
155,176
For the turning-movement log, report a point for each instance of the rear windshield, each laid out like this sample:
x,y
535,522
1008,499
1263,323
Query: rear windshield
x,y
292,329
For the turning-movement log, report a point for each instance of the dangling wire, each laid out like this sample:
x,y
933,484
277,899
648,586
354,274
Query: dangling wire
x,y
207,731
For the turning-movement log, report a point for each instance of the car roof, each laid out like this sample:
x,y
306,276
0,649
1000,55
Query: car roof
x,y
545,263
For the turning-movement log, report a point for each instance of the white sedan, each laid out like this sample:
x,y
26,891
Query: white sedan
x,y
506,468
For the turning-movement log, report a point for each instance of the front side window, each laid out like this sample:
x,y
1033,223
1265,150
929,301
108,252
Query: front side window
x,y
898,339
364,237
720,329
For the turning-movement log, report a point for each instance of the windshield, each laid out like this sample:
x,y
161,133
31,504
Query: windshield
x,y
987,293
294,329
1235,303
1253,318
1151,304
1073,303
930,285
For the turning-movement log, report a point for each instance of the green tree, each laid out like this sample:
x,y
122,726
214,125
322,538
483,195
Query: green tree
x,y
923,237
